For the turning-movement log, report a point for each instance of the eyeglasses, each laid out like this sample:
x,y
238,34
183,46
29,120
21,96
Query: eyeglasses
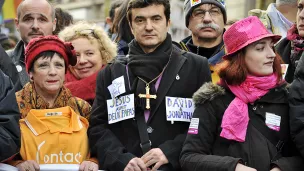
x,y
84,33
213,12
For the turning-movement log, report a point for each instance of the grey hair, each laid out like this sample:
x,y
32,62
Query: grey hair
x,y
21,4
286,2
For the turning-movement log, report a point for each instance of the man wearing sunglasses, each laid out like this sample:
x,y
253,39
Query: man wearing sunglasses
x,y
206,20
143,104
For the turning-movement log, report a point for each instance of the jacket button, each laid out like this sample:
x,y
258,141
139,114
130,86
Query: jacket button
x,y
261,106
19,68
149,129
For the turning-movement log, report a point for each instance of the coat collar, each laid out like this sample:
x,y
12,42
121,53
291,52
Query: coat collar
x,y
169,76
19,51
38,127
209,91
276,95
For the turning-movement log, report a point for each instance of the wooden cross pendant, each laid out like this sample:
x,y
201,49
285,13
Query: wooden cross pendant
x,y
148,96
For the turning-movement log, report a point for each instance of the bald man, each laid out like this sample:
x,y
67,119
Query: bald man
x,y
34,18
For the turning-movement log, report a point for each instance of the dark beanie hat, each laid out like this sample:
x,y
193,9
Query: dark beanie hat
x,y
190,5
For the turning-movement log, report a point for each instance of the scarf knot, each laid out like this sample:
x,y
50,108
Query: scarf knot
x,y
236,117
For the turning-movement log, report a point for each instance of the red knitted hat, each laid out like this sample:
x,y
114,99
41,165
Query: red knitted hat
x,y
49,43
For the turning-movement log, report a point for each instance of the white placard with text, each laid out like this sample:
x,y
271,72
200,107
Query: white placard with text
x,y
121,108
117,87
179,109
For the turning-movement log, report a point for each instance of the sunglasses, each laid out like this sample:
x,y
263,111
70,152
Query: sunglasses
x,y
86,32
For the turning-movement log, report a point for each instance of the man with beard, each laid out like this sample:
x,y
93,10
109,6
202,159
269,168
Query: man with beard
x,y
34,18
206,20
143,103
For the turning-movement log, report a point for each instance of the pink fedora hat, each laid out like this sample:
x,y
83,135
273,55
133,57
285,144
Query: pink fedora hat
x,y
245,32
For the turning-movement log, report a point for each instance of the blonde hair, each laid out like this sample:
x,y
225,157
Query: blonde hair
x,y
108,49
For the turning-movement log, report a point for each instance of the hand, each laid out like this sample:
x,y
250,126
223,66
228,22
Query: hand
x,y
240,167
136,164
29,165
276,169
88,166
153,156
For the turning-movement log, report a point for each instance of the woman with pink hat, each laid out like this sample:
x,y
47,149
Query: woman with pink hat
x,y
242,124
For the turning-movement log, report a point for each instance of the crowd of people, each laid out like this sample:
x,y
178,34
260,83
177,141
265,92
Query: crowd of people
x,y
131,99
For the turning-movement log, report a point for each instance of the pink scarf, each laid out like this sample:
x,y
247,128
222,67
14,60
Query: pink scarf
x,y
235,119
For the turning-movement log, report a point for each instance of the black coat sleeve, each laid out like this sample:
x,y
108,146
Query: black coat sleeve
x,y
9,119
9,68
296,112
294,163
296,107
172,148
196,154
104,145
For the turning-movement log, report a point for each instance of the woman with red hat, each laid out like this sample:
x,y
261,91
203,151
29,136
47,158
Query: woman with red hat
x,y
53,122
242,124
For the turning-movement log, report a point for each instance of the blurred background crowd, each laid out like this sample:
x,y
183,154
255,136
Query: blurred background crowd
x,y
98,10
